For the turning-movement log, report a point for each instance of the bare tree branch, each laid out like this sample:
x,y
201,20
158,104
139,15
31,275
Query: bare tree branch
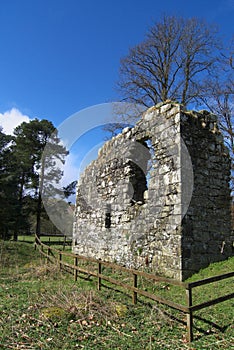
x,y
170,63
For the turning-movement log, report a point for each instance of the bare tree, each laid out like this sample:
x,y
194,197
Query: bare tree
x,y
171,63
182,60
218,96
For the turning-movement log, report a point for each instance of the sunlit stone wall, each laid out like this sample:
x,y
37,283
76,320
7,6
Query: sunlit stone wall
x,y
157,197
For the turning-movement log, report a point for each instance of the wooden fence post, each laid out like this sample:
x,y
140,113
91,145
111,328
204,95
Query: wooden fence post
x,y
189,314
99,278
134,295
35,243
75,270
60,261
64,242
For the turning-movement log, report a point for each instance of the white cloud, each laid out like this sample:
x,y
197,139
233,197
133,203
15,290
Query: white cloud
x,y
12,118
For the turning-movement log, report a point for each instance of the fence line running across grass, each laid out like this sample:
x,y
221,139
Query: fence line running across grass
x,y
50,254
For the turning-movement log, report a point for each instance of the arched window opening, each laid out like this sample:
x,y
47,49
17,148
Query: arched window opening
x,y
140,163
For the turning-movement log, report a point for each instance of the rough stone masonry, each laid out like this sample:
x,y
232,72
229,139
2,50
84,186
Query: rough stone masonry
x,y
157,197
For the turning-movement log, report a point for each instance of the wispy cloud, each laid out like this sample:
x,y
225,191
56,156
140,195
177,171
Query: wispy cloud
x,y
12,118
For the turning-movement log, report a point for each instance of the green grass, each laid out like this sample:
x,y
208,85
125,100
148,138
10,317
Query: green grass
x,y
44,239
43,308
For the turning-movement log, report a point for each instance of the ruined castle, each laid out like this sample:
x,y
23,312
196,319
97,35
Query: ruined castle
x,y
157,197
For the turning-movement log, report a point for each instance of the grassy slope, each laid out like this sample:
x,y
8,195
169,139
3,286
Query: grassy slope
x,y
82,318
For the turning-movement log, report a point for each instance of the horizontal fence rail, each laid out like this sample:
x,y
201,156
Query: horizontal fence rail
x,y
50,254
50,239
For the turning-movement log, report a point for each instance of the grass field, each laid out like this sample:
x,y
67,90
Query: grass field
x,y
43,308
44,239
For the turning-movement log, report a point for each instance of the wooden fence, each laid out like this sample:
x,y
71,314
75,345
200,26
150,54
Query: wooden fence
x,y
56,239
56,256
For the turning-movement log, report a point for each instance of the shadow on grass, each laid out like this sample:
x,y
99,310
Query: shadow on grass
x,y
169,315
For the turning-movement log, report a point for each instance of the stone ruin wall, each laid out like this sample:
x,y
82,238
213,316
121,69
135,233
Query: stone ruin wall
x,y
172,219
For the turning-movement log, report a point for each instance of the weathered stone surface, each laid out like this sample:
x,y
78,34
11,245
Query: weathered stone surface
x,y
158,195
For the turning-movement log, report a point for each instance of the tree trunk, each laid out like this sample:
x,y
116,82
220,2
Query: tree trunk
x,y
15,237
38,226
17,223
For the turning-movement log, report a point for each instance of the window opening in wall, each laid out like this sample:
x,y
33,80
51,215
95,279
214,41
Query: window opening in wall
x,y
139,163
108,216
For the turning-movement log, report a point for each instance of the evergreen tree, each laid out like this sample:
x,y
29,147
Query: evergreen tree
x,y
9,207
32,165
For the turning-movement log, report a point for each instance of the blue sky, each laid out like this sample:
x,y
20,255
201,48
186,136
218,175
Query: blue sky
x,y
61,56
